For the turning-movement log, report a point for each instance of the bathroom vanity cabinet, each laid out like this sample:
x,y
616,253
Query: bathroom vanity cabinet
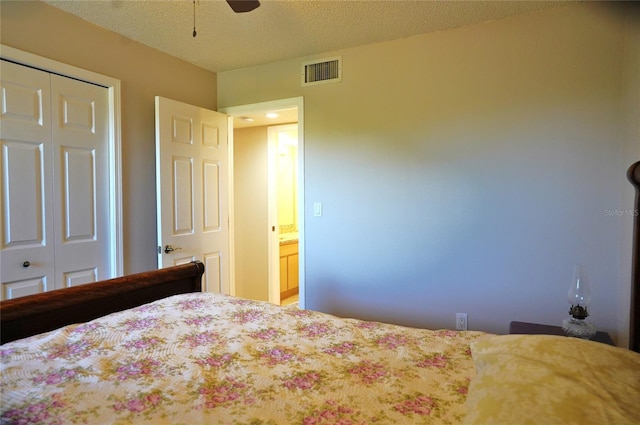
x,y
288,269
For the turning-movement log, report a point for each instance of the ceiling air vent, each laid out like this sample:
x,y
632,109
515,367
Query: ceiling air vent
x,y
324,71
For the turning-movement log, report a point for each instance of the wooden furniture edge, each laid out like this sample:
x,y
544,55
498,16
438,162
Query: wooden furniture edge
x,y
517,327
34,314
633,174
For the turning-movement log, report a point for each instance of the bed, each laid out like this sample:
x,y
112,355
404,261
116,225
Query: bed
x,y
152,348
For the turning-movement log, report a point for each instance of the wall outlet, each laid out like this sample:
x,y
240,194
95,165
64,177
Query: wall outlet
x,y
461,321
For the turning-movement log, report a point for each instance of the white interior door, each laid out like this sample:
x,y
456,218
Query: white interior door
x,y
192,174
80,120
55,186
27,217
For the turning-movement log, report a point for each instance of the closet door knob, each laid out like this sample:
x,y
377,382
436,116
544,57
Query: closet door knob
x,y
26,264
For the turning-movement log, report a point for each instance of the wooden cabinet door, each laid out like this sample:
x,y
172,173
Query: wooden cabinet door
x,y
283,274
292,271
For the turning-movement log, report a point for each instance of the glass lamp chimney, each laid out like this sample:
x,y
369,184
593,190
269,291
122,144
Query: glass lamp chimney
x,y
579,295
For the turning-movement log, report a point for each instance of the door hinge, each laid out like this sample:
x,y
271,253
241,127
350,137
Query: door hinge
x,y
159,249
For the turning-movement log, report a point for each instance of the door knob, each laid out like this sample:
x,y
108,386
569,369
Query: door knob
x,y
26,264
168,248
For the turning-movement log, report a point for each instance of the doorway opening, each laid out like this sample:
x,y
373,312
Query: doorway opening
x,y
255,228
282,170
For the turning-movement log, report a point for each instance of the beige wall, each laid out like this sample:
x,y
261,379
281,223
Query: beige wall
x,y
251,218
467,170
144,72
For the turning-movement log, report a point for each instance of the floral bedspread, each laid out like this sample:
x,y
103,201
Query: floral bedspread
x,y
215,359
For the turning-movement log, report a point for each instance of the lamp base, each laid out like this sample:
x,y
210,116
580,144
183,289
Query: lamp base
x,y
578,328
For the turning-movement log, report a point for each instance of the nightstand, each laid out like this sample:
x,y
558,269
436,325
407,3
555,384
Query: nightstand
x,y
535,328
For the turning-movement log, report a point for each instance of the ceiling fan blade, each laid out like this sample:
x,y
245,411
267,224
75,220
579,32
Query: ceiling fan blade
x,y
241,6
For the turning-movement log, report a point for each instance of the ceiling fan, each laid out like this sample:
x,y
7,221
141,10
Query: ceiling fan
x,y
241,6
238,6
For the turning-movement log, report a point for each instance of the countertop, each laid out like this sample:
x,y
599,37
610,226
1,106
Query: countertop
x,y
288,238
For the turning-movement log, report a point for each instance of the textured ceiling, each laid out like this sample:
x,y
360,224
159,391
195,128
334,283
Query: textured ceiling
x,y
281,29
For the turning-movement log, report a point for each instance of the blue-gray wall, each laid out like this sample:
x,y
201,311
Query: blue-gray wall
x,y
468,170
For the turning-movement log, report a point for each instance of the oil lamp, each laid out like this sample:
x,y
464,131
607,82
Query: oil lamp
x,y
579,297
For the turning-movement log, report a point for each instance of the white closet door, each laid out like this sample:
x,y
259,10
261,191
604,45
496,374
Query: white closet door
x,y
55,188
27,219
81,181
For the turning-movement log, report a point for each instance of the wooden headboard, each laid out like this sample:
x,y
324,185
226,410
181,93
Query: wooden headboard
x,y
34,314
634,332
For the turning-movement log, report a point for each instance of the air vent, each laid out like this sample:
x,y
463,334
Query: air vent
x,y
324,71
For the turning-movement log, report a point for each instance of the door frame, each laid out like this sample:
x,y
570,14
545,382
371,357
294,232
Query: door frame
x,y
114,139
274,254
272,209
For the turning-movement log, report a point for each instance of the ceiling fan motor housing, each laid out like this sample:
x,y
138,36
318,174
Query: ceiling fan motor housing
x,y
242,6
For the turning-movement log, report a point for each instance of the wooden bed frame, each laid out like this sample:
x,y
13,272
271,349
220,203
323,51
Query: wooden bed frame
x,y
634,332
39,313
34,314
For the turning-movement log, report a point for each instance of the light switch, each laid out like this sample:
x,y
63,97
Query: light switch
x,y
317,209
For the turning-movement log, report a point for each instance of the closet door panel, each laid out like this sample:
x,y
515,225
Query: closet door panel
x,y
26,235
80,135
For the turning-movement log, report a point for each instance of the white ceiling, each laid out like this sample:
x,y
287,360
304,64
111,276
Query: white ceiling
x,y
281,29
259,118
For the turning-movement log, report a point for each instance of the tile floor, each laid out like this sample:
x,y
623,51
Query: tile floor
x,y
291,301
